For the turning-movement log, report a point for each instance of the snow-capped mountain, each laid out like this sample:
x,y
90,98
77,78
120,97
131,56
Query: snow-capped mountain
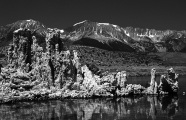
x,y
115,37
6,32
104,35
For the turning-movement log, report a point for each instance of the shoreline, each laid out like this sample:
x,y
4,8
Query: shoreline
x,y
60,96
42,92
138,71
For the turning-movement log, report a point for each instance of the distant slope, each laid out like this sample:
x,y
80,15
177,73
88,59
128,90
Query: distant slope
x,y
107,45
139,40
111,46
172,58
101,57
105,36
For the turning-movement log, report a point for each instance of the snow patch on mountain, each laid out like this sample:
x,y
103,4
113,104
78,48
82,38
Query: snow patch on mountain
x,y
80,22
28,20
61,31
16,31
126,33
103,24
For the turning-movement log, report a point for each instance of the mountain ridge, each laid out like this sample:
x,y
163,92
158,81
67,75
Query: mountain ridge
x,y
110,36
142,40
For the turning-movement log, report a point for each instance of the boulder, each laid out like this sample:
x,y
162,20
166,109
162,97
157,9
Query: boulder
x,y
169,83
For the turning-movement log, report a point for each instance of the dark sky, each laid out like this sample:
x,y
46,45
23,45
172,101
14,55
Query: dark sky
x,y
161,15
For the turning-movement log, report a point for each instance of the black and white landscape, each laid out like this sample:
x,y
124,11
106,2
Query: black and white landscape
x,y
92,60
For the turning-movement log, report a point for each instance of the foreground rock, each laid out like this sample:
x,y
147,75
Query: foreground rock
x,y
20,87
169,83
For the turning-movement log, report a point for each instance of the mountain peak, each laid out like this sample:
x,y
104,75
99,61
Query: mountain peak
x,y
112,36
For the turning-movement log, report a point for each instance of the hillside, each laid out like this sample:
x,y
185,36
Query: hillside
x,y
106,45
135,63
127,39
104,35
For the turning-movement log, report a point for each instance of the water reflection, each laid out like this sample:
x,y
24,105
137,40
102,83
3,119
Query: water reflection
x,y
169,104
148,107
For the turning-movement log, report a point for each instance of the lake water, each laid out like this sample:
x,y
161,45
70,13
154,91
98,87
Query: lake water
x,y
130,108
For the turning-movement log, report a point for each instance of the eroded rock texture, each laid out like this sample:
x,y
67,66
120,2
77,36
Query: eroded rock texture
x,y
153,89
168,83
53,71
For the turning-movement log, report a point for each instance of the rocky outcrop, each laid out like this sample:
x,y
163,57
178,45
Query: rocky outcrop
x,y
35,72
168,83
24,87
6,32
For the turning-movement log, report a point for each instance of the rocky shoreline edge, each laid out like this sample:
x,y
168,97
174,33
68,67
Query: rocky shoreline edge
x,y
28,91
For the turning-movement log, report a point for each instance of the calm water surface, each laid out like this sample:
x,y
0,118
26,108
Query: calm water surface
x,y
133,108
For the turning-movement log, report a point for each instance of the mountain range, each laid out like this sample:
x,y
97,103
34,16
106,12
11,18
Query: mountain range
x,y
105,36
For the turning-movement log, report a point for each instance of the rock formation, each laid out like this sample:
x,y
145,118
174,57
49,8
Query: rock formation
x,y
169,83
54,71
153,89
